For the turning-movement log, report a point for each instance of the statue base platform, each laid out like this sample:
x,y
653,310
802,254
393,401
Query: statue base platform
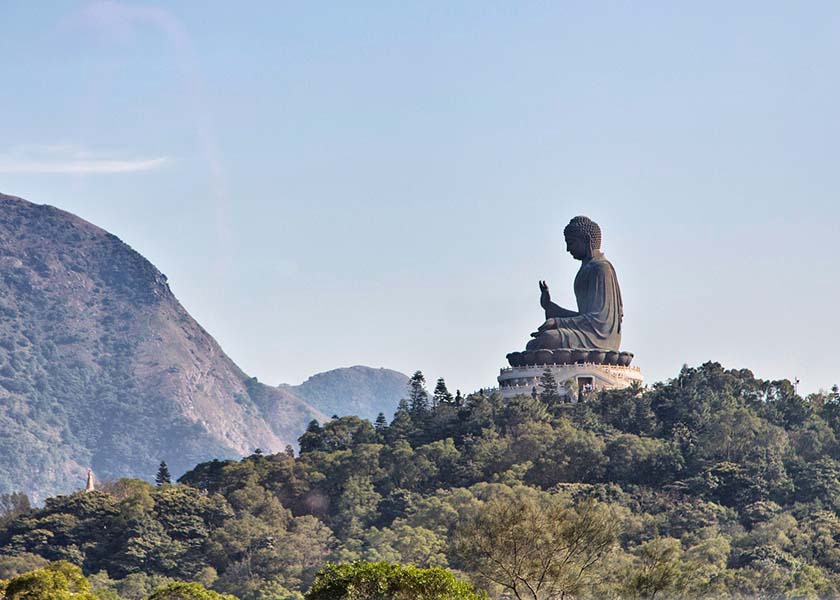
x,y
573,380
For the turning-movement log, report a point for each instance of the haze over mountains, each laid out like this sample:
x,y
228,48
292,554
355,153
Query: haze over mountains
x,y
358,390
101,366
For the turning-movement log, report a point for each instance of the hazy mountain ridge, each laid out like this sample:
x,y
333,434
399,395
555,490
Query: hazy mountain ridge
x,y
358,390
101,366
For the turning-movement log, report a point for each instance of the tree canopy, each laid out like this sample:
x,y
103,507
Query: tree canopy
x,y
383,581
713,483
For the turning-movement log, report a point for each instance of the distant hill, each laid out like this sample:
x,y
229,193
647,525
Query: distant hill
x,y
358,390
101,366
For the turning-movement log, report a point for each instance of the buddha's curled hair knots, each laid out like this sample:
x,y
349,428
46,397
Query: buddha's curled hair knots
x,y
587,228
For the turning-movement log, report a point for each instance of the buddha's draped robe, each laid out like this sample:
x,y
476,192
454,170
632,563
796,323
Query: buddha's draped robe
x,y
598,324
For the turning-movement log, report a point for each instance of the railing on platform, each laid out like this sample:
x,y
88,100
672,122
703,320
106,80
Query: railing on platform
x,y
583,364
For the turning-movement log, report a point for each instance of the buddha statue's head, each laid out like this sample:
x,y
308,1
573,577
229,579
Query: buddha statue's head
x,y
583,237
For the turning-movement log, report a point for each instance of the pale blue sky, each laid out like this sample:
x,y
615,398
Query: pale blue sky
x,y
329,184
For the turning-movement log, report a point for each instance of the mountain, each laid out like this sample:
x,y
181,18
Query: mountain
x,y
358,390
101,367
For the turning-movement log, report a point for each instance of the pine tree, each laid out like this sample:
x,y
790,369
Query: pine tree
x,y
311,440
289,451
418,397
163,477
381,423
441,394
549,393
401,427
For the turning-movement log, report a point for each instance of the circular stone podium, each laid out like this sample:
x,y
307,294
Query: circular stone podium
x,y
573,379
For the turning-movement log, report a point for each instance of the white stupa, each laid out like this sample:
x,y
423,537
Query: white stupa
x,y
89,486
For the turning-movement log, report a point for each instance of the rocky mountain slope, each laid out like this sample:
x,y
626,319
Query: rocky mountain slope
x,y
358,390
101,366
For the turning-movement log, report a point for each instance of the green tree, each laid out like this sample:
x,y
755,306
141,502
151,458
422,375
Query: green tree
x,y
635,459
625,410
384,581
537,548
574,455
344,433
441,395
418,397
401,427
819,479
66,528
12,565
381,424
356,506
310,441
135,586
275,590
180,590
549,393
659,570
163,477
522,410
419,546
57,581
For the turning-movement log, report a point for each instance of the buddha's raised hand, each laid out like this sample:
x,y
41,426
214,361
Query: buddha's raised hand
x,y
545,295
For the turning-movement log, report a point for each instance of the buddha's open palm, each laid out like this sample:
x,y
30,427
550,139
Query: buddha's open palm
x,y
545,295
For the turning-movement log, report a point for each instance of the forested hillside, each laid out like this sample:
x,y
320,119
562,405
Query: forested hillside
x,y
713,483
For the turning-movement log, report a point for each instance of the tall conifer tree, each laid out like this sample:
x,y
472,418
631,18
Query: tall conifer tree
x,y
418,397
402,426
441,394
381,423
549,393
163,477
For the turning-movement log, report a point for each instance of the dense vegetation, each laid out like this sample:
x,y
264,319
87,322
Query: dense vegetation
x,y
712,483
